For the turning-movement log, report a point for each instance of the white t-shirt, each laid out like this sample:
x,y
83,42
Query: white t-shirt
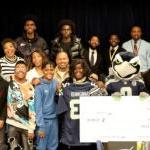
x,y
31,74
95,55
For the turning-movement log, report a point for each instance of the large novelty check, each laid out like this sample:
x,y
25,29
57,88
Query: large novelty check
x,y
108,119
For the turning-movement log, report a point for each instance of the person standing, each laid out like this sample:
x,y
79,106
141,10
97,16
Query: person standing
x,y
139,47
8,62
114,48
75,86
30,40
62,66
45,106
3,111
35,72
93,57
66,40
20,110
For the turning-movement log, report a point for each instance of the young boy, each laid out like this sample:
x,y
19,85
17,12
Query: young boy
x,y
20,110
3,108
45,106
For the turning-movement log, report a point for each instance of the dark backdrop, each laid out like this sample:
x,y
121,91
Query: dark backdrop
x,y
100,17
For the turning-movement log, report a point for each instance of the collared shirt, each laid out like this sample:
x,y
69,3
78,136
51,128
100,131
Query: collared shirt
x,y
114,48
143,52
95,54
61,76
112,51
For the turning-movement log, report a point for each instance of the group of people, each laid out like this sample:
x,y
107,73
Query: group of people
x,y
40,86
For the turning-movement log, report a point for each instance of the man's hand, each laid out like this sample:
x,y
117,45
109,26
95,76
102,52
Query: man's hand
x,y
144,94
93,77
41,134
1,124
101,85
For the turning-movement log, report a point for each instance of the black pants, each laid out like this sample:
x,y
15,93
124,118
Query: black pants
x,y
19,138
3,145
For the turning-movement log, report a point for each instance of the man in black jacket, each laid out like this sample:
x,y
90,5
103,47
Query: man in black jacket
x,y
30,40
113,49
66,41
92,55
3,112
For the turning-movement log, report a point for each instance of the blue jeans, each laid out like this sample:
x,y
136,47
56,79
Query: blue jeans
x,y
50,142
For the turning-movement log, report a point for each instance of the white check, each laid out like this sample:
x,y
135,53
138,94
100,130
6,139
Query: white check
x,y
105,119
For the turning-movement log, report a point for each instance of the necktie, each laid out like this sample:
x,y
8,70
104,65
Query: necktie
x,y
92,59
135,49
112,51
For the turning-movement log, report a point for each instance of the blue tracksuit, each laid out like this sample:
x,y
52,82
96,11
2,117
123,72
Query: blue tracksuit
x,y
46,117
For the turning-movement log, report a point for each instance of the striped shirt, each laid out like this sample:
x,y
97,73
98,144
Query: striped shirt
x,y
8,67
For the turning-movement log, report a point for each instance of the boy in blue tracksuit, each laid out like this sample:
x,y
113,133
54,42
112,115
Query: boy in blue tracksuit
x,y
45,106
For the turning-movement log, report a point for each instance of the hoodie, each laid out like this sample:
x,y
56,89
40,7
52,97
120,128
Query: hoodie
x,y
45,104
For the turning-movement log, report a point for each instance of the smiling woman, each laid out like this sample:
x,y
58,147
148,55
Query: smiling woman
x,y
9,61
69,102
79,69
38,58
20,71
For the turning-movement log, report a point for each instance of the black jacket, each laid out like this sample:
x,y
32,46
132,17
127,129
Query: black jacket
x,y
75,49
120,49
98,68
26,46
3,98
109,58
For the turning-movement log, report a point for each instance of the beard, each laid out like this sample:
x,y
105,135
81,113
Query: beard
x,y
93,47
136,38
